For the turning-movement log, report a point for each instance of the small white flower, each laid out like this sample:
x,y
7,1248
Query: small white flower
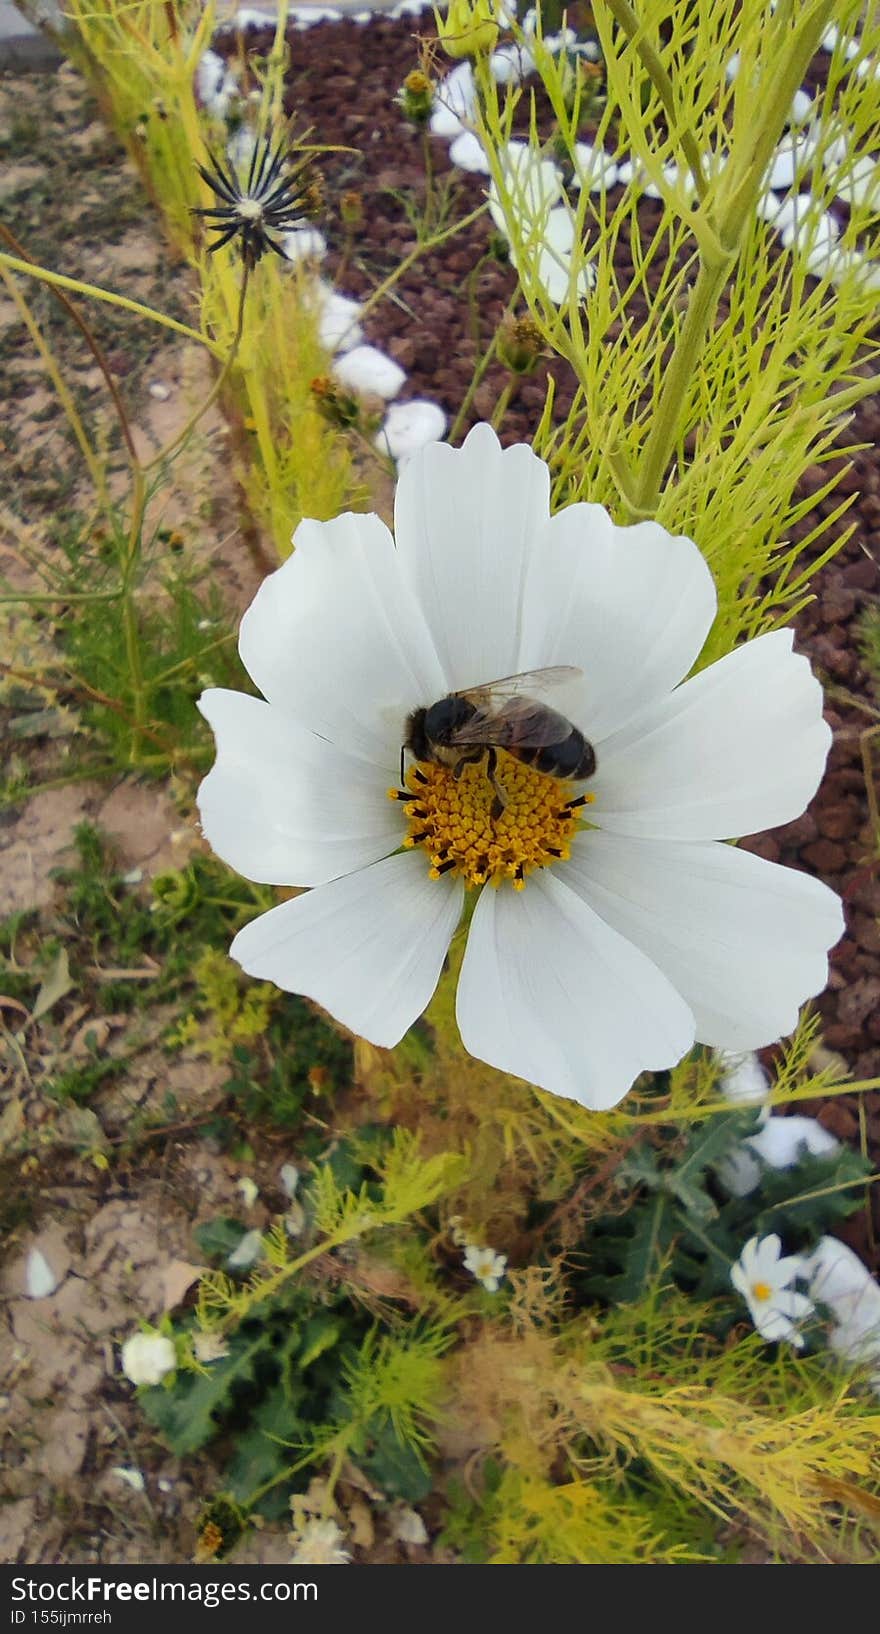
x,y
764,1281
147,1357
839,1280
484,1264
780,1143
209,1347
320,1544
582,969
743,1079
249,1190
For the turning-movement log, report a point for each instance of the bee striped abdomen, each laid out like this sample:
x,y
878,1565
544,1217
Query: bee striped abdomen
x,y
573,758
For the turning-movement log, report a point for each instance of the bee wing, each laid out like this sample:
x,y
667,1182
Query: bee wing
x,y
519,722
526,681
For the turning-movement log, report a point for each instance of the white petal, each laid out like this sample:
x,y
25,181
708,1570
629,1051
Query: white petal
x,y
738,748
793,1304
744,1079
782,1142
335,639
369,948
773,1326
631,607
365,368
410,426
743,940
465,521
551,994
840,1280
285,807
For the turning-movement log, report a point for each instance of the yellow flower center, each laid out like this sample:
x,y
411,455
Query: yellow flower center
x,y
458,822
761,1290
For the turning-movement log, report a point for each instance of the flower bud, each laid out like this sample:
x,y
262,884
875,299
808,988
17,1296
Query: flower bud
x,y
416,97
336,405
351,208
467,28
147,1357
520,343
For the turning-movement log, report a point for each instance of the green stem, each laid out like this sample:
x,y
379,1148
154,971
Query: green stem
x,y
44,276
626,18
736,212
418,250
664,425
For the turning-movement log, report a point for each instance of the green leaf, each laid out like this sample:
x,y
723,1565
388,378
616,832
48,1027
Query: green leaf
x,y
261,1454
185,1413
218,1237
318,1335
396,1468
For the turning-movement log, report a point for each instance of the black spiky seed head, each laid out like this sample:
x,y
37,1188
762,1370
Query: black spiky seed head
x,y
255,210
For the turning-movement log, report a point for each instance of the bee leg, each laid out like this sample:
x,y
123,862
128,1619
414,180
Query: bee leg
x,y
402,753
466,760
500,801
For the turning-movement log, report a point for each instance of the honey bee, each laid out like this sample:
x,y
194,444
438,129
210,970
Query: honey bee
x,y
464,726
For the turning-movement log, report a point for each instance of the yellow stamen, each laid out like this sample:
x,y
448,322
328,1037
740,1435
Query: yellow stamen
x,y
761,1290
454,819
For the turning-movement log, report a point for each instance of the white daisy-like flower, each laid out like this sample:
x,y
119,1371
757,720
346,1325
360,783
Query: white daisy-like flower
x,y
147,1357
320,1544
532,213
764,1280
484,1264
839,1280
596,950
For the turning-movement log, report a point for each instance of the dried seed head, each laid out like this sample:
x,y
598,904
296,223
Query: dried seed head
x,y
336,405
351,208
520,343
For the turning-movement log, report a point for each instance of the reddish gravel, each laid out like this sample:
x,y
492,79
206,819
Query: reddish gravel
x,y
341,87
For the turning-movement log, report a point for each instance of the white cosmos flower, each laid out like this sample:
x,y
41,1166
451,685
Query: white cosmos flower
x,y
764,1281
647,933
